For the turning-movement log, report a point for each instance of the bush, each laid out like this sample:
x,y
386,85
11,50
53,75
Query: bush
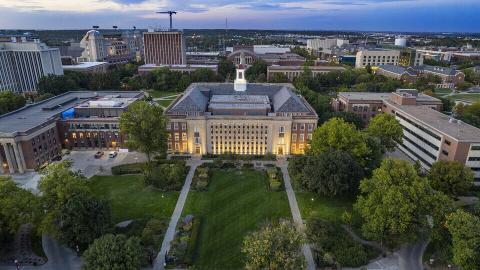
x,y
192,244
152,234
201,177
274,178
133,168
167,176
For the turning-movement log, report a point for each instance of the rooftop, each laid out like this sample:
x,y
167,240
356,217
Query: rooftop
x,y
440,122
313,68
383,96
84,65
34,115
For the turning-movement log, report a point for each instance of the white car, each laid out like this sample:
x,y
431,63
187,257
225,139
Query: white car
x,y
112,154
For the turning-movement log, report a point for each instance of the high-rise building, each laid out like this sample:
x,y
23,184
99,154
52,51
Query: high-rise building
x,y
165,48
22,64
94,47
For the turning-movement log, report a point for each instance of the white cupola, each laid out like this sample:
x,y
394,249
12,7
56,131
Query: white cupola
x,y
240,83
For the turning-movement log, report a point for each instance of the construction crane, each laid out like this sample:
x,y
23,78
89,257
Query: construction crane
x,y
169,13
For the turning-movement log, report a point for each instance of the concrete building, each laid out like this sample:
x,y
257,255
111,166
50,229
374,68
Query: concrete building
x,y
272,57
241,118
147,68
165,48
428,134
116,47
294,71
325,43
22,64
33,135
376,57
88,67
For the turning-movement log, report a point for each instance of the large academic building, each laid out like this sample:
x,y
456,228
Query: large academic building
x,y
240,118
428,134
35,134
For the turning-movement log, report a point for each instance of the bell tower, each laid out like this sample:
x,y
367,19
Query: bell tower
x,y
240,83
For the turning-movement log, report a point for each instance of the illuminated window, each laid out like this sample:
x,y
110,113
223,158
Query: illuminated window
x,y
302,137
294,137
177,136
74,135
81,135
184,136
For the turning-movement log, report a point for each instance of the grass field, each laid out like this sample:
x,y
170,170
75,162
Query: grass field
x,y
236,203
442,91
129,198
165,103
159,94
322,207
467,97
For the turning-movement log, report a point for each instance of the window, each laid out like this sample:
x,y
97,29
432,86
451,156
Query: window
x,y
302,138
282,129
310,127
302,126
175,125
309,137
474,159
447,142
74,135
184,136
476,148
445,152
177,136
294,127
169,126
294,137
184,126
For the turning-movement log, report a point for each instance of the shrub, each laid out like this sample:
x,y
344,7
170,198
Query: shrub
x,y
192,244
227,165
133,168
201,177
153,232
274,178
167,176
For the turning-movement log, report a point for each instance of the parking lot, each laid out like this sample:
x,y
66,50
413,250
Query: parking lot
x,y
86,163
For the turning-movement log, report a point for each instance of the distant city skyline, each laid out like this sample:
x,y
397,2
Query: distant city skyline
x,y
359,15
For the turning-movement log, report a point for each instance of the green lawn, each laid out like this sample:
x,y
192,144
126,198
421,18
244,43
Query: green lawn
x,y
159,94
467,97
165,103
237,202
322,207
129,198
442,91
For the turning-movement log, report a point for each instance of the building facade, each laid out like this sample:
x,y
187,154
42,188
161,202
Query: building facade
x,y
116,47
147,68
165,48
325,43
22,64
292,72
377,57
240,118
35,134
428,134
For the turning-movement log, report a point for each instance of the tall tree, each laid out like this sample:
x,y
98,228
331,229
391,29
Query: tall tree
x,y
451,177
10,101
144,124
226,69
465,231
397,205
256,69
387,129
337,134
57,186
56,84
274,247
114,252
82,219
18,206
331,173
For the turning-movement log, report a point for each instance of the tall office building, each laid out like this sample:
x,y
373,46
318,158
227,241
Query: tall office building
x,y
165,48
94,49
22,64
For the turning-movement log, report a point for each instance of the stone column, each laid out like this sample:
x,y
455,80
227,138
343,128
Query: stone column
x,y
22,157
8,154
17,157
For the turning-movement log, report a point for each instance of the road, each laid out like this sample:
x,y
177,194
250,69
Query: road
x,y
410,256
59,257
297,218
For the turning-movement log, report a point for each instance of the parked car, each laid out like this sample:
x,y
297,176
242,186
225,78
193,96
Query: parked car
x,y
99,154
112,154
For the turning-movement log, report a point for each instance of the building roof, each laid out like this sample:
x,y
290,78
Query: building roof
x,y
397,69
34,115
198,96
369,96
440,122
84,65
312,68
438,70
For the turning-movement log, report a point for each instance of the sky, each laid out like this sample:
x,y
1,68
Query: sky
x,y
363,15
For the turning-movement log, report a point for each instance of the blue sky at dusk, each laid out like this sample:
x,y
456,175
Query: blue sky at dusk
x,y
382,15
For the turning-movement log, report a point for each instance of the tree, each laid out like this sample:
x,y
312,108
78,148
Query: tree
x,y
465,231
114,252
18,206
58,185
226,69
462,86
337,134
56,84
387,129
274,247
331,173
258,67
397,205
82,219
349,117
204,75
10,101
279,78
145,125
469,113
451,177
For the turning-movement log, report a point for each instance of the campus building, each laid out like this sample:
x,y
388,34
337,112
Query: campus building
x,y
165,48
377,57
147,68
292,72
240,118
23,63
33,135
428,134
